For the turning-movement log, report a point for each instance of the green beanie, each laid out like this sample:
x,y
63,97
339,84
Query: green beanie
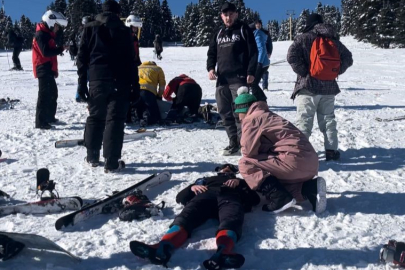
x,y
244,100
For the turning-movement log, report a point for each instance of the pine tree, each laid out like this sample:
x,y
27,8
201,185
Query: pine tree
x,y
385,27
284,32
216,7
167,20
152,22
273,29
367,20
99,6
301,21
125,8
190,22
205,23
27,30
399,23
75,11
349,15
60,6
177,29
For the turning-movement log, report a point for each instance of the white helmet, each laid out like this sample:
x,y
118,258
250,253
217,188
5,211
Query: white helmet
x,y
132,20
52,17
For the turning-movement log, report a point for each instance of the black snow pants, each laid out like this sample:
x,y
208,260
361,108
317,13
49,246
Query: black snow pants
x,y
148,108
108,105
224,206
47,101
188,95
16,59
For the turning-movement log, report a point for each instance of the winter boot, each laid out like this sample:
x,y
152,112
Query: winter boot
x,y
93,157
151,252
233,149
315,191
278,197
332,155
113,165
44,126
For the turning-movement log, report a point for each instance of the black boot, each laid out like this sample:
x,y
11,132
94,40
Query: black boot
x,y
113,165
332,155
93,157
233,149
279,198
315,191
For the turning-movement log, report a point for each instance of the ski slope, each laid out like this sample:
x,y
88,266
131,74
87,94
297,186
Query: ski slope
x,y
366,189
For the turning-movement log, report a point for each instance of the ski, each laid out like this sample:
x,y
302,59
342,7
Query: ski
x,y
390,119
278,62
112,203
30,241
127,138
49,206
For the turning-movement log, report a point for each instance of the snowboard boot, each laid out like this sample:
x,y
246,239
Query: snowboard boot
x,y
113,165
54,120
93,157
44,126
315,191
393,252
332,155
233,149
279,198
157,254
9,248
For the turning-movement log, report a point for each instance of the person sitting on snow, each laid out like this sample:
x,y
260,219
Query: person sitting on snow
x,y
278,160
150,76
188,94
222,197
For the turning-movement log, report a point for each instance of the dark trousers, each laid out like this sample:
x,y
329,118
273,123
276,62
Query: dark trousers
x,y
148,108
225,96
47,101
108,105
188,95
16,59
256,90
265,78
225,206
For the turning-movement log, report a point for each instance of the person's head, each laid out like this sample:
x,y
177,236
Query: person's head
x,y
229,14
111,6
227,168
243,102
54,20
258,24
134,23
312,20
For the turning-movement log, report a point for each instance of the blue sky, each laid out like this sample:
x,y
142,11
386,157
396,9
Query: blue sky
x,y
268,9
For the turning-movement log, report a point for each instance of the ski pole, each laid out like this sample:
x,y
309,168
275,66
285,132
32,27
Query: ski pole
x,y
8,60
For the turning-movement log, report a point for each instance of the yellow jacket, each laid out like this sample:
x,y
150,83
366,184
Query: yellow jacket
x,y
150,75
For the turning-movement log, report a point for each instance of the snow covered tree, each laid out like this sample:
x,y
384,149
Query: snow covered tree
x,y
177,29
125,8
75,11
385,32
349,15
273,28
367,20
27,31
399,23
301,21
167,21
216,8
205,23
284,31
152,22
190,22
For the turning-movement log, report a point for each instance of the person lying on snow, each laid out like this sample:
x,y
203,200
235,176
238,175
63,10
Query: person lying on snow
x,y
223,197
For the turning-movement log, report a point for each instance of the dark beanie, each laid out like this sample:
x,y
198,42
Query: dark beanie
x,y
312,20
111,6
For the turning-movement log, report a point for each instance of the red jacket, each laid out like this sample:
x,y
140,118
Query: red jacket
x,y
44,51
174,84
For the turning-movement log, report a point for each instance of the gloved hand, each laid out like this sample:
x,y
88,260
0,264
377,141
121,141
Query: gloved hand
x,y
83,92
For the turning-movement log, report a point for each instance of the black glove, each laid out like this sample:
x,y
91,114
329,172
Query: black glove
x,y
83,92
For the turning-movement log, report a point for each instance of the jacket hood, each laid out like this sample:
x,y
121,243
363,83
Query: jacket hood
x,y
43,28
149,63
110,20
325,30
258,106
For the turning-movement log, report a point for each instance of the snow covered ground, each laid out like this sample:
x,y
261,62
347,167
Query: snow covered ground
x,y
366,189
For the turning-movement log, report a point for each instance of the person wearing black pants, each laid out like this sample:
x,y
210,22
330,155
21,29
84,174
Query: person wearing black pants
x,y
223,197
47,101
106,57
17,43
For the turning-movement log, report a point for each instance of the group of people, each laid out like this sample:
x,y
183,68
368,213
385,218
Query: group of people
x,y
278,161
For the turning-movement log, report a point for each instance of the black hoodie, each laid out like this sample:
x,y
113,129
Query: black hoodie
x,y
107,50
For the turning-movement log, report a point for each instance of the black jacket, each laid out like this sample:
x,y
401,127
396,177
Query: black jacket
x,y
107,50
216,184
14,40
235,53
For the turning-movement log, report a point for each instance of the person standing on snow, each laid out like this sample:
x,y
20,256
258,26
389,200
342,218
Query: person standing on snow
x,y
106,53
16,42
278,160
45,67
223,197
158,44
312,95
269,49
233,51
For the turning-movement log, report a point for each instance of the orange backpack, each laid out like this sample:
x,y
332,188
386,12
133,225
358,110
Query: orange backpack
x,y
324,59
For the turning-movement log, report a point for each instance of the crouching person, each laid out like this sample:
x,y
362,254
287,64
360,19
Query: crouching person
x,y
278,160
223,197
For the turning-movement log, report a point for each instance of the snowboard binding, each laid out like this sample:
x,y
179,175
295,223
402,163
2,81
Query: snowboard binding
x,y
220,261
137,206
46,186
393,252
9,248
159,255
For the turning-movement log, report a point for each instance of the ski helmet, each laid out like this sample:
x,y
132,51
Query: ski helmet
x,y
87,19
132,20
52,17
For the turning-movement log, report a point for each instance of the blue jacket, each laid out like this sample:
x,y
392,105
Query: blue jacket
x,y
261,39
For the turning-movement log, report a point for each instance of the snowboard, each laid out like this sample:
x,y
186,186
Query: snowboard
x,y
43,207
33,241
390,119
7,103
127,138
112,203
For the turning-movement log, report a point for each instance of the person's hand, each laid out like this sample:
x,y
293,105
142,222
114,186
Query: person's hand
x,y
212,75
250,78
232,183
198,189
83,92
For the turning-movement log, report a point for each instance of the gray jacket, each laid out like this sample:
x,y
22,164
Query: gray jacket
x,y
299,59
